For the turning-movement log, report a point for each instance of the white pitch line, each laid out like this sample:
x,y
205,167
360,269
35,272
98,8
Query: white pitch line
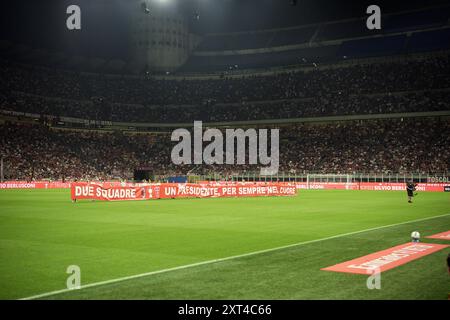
x,y
95,284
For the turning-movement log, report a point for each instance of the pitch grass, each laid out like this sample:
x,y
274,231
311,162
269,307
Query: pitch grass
x,y
42,232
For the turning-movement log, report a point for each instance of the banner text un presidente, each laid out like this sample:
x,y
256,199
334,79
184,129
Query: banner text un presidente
x,y
174,190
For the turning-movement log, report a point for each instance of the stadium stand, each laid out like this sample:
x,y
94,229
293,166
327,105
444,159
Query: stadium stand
x,y
345,29
394,23
401,33
306,81
255,40
382,77
319,106
37,152
373,47
429,40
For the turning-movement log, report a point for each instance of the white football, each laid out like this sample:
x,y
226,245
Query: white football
x,y
415,236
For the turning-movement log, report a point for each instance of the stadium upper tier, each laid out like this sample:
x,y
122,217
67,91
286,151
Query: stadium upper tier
x,y
254,40
409,21
320,52
371,88
328,42
417,31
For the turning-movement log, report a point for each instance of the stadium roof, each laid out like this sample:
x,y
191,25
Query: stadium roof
x,y
30,27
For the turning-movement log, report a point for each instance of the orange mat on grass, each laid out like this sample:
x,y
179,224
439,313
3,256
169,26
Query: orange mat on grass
x,y
387,259
443,235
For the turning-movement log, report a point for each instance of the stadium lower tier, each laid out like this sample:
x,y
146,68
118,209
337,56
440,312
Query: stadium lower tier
x,y
35,152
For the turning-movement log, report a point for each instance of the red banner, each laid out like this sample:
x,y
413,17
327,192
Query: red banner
x,y
55,184
377,186
327,185
34,185
83,190
178,190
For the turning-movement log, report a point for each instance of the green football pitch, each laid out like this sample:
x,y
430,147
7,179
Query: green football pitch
x,y
124,249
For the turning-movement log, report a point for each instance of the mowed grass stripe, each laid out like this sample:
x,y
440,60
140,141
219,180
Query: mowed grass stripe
x,y
42,232
47,294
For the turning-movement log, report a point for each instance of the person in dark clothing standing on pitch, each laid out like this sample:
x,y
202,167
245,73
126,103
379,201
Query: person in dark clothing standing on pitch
x,y
410,188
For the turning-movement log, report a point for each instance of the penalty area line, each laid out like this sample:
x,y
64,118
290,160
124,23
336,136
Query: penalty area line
x,y
141,275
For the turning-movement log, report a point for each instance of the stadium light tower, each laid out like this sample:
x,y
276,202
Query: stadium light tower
x,y
163,41
145,8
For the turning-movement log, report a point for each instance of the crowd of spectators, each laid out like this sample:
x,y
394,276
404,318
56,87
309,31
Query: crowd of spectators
x,y
34,152
382,146
326,105
380,77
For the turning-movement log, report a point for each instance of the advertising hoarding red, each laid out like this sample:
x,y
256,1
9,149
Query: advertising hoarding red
x,y
82,190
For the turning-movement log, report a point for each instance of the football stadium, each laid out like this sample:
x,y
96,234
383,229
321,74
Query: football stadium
x,y
225,150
